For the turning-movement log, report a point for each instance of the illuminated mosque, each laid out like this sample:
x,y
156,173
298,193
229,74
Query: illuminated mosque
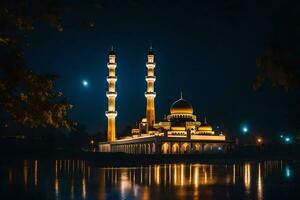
x,y
178,133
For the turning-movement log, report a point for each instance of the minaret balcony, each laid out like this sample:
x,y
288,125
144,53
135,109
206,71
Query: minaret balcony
x,y
150,78
111,114
111,65
111,94
150,65
150,94
111,78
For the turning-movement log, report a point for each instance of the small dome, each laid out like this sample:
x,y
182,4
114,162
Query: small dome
x,y
181,106
205,126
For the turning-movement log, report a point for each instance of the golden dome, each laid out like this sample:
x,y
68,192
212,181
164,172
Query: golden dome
x,y
205,126
181,106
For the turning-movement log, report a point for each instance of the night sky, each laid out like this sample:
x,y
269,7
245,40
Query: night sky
x,y
206,49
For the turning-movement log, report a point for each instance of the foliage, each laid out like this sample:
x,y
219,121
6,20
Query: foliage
x,y
276,66
28,97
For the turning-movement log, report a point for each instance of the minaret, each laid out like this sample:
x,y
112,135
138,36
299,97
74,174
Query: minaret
x,y
150,94
111,96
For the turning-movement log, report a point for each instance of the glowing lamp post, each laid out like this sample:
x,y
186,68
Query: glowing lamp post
x,y
92,142
259,140
287,140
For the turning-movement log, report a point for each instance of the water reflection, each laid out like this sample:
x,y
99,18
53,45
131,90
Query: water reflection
x,y
233,174
25,171
83,187
259,183
288,172
247,177
56,182
35,172
77,179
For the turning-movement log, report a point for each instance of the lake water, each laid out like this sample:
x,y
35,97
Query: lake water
x,y
77,179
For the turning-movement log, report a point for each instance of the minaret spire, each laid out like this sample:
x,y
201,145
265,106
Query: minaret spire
x,y
111,95
150,94
181,95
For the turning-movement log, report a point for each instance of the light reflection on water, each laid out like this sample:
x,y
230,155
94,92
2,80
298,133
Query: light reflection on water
x,y
247,177
76,179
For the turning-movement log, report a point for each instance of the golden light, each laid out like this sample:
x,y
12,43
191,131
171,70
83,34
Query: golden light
x,y
92,141
83,184
157,174
259,183
247,176
182,174
196,176
259,140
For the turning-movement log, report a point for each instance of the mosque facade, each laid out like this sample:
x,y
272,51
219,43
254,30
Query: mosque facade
x,y
180,132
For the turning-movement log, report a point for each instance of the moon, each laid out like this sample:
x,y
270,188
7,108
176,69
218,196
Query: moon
x,y
85,83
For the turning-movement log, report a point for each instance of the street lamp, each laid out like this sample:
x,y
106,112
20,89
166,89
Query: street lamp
x,y
287,139
259,140
281,136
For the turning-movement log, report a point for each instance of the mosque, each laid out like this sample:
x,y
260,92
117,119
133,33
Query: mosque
x,y
178,133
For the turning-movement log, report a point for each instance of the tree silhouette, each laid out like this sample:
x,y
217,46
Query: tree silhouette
x,y
28,97
276,66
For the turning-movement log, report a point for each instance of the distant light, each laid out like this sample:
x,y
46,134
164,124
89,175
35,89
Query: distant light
x,y
245,129
219,148
281,136
287,139
288,172
92,141
85,83
259,140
